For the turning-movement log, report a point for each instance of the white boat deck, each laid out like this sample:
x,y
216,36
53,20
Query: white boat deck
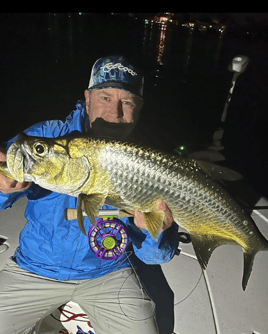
x,y
205,302
213,301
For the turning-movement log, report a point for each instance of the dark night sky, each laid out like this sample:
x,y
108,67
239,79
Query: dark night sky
x,y
46,59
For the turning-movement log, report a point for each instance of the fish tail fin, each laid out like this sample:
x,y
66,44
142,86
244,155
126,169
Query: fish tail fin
x,y
248,264
249,259
264,245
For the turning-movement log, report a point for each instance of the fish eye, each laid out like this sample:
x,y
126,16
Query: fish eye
x,y
40,148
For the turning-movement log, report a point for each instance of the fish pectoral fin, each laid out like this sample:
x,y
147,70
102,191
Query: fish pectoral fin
x,y
204,246
154,221
80,218
90,203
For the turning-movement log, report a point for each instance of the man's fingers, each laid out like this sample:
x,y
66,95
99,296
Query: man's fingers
x,y
161,206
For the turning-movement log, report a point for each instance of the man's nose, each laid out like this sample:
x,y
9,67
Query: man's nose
x,y
117,109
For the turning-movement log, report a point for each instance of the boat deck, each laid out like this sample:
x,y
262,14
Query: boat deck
x,y
210,301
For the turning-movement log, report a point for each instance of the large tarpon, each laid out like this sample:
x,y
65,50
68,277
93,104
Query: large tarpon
x,y
130,177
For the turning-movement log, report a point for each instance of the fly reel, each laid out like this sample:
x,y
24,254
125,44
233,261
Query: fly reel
x,y
108,239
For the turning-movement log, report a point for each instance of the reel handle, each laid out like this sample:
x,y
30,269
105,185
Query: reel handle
x,y
108,239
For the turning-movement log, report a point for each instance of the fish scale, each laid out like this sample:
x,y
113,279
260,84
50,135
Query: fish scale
x,y
146,190
132,177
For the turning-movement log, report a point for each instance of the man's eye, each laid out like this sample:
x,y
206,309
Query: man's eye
x,y
105,98
129,104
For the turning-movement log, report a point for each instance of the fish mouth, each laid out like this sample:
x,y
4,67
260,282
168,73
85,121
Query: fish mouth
x,y
15,162
28,162
19,161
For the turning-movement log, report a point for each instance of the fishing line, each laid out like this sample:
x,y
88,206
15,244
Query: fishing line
x,y
189,294
119,264
127,258
141,289
108,240
3,243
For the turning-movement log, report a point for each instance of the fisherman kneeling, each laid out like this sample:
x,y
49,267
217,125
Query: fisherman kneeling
x,y
54,263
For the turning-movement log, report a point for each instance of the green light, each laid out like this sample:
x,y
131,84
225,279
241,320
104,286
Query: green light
x,y
181,150
80,13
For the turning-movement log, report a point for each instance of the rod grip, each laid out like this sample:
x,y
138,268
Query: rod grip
x,y
70,214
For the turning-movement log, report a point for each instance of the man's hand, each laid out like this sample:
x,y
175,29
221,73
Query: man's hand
x,y
161,206
8,185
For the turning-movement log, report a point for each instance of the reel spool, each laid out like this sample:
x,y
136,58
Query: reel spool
x,y
108,240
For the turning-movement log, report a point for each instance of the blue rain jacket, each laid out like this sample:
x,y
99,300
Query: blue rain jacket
x,y
51,246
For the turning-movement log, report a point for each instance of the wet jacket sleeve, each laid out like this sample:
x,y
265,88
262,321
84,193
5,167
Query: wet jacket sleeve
x,y
154,252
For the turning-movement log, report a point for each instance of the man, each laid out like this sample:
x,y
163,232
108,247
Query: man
x,y
54,263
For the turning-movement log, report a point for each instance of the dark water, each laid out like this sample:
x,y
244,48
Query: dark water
x,y
46,61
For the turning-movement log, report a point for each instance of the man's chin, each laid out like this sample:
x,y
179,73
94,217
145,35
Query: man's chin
x,y
101,128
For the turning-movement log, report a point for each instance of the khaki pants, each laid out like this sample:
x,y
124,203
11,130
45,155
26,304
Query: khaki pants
x,y
115,303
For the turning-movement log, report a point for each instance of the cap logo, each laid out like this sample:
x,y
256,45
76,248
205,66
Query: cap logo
x,y
110,66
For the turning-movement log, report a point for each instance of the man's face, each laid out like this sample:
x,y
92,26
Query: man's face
x,y
112,112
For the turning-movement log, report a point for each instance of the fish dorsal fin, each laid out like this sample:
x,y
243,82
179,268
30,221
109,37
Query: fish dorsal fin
x,y
90,203
204,247
154,221
219,173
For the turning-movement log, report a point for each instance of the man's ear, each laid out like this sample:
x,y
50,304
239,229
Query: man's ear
x,y
139,104
87,95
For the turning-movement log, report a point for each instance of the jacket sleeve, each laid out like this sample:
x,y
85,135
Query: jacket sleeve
x,y
77,120
152,251
6,200
50,129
